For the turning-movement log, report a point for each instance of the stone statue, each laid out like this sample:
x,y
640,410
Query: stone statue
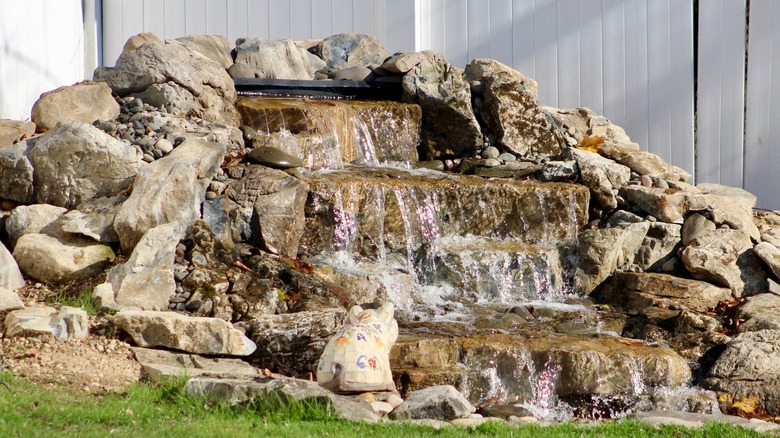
x,y
357,358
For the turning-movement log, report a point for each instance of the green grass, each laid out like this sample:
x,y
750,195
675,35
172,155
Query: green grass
x,y
82,300
27,410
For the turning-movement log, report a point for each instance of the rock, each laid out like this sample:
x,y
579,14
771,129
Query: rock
x,y
347,50
94,218
139,40
215,47
449,127
16,172
435,402
174,77
36,218
515,118
170,190
725,210
739,195
292,343
401,63
696,226
67,323
659,246
381,408
639,290
179,332
726,258
160,365
10,276
644,163
283,389
60,260
281,59
430,352
12,131
605,250
364,341
145,281
76,162
601,176
749,367
480,68
666,205
9,300
760,312
353,74
273,157
558,171
84,102
230,136
659,418
770,254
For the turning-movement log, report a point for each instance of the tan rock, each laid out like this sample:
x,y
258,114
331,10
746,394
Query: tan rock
x,y
58,261
84,102
12,131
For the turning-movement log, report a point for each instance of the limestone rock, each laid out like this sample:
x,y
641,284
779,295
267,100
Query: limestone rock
x,y
603,251
145,280
659,246
179,332
449,127
601,176
691,420
760,312
9,300
172,76
94,218
139,40
215,132
637,291
10,276
169,190
695,226
160,365
726,258
273,157
36,218
480,68
84,102
436,402
16,172
403,62
725,210
644,163
12,131
515,118
347,50
666,205
215,47
739,195
67,323
58,261
76,162
749,367
770,254
281,59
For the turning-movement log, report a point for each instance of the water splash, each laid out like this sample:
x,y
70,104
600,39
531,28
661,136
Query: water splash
x,y
545,403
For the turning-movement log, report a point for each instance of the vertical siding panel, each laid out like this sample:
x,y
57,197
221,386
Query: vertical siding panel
x,y
523,41
238,19
636,84
175,19
216,17
343,20
680,85
501,31
258,18
568,55
478,25
322,19
614,59
153,18
721,75
546,51
195,18
761,147
456,31
591,61
364,14
437,23
380,21
659,75
112,31
301,25
278,19
132,19
400,26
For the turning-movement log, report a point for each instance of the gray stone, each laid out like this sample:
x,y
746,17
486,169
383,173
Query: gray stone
x,y
67,323
93,219
9,300
16,172
659,246
435,402
60,260
603,251
770,254
84,102
230,136
170,190
12,131
480,68
490,152
739,195
139,40
273,157
347,50
281,59
659,203
197,335
692,420
760,312
558,171
10,276
174,77
36,218
160,365
76,162
726,210
215,47
403,62
726,258
644,163
639,290
695,226
621,218
601,176
352,74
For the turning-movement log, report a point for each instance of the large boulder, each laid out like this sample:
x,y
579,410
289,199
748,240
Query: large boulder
x,y
480,68
215,47
659,246
281,59
449,127
10,275
170,190
605,250
60,260
770,254
602,176
759,312
36,218
93,218
76,162
191,334
12,131
174,77
67,323
346,50
639,290
664,204
643,162
437,402
84,102
16,172
401,63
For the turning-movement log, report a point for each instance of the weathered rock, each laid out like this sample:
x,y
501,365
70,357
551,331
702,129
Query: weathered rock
x,y
10,276
480,68
37,218
94,218
293,342
159,365
760,312
273,157
12,131
67,323
637,291
170,190
515,118
659,246
347,50
403,62
215,132
691,420
435,402
60,260
16,172
739,195
749,367
76,162
605,250
215,47
726,210
770,254
695,226
172,76
601,176
279,388
428,352
140,39
666,205
84,102
644,163
281,59
726,258
179,332
145,280
449,127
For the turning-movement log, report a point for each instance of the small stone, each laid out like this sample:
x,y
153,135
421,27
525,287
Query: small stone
x,y
490,152
367,397
394,400
249,132
381,408
491,162
164,145
647,181
432,165
210,195
273,157
506,157
181,307
149,158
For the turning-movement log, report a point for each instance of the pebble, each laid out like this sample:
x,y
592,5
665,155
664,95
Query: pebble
x,y
249,132
182,307
210,195
273,157
381,408
660,183
491,162
367,397
148,157
646,181
394,400
506,157
490,152
164,145
157,153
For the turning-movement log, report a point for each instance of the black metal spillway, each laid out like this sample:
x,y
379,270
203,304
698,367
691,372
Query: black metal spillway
x,y
349,90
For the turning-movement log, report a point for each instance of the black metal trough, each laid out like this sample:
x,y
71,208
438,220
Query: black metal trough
x,y
350,90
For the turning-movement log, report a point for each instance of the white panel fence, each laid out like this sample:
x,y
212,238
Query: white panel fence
x,y
642,63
